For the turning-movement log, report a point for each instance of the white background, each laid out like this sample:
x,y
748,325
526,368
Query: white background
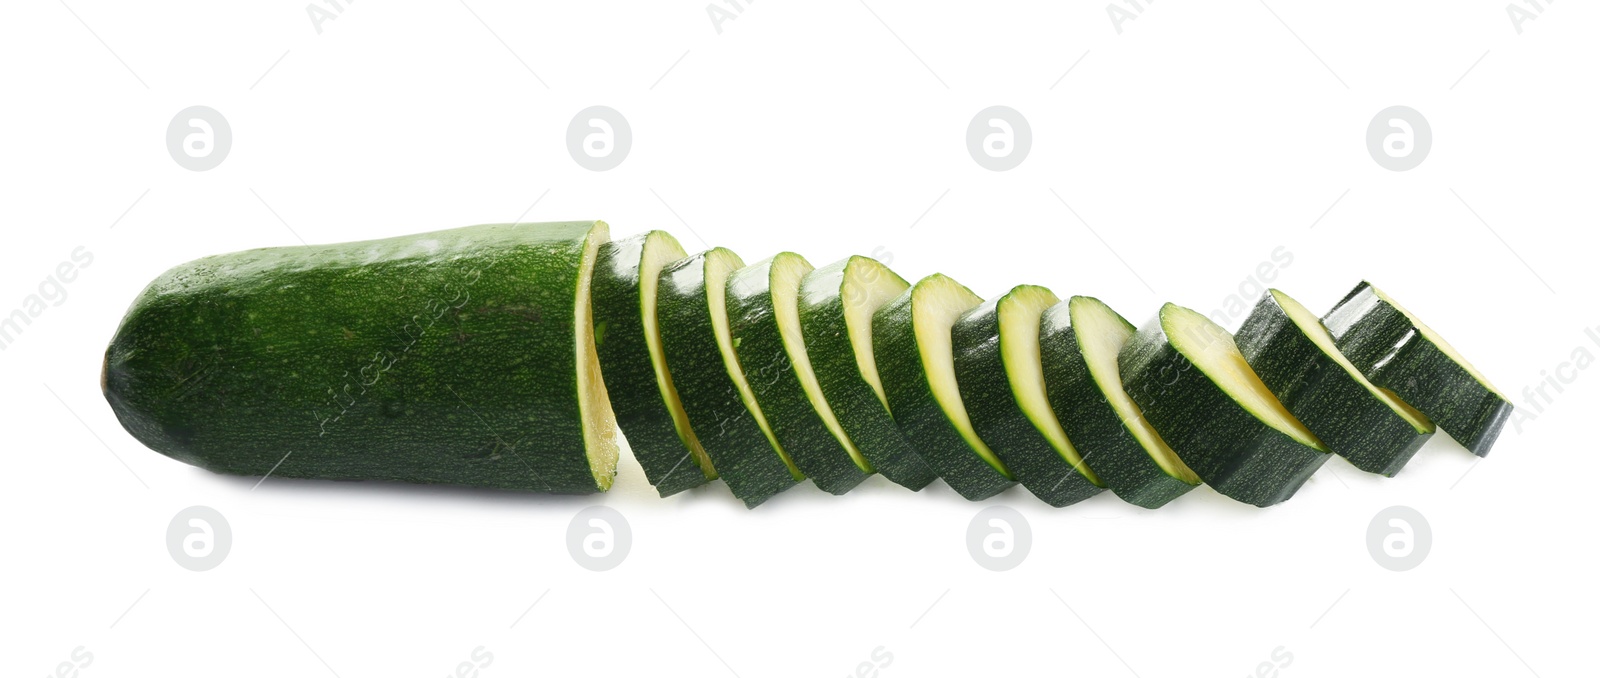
x,y
1191,144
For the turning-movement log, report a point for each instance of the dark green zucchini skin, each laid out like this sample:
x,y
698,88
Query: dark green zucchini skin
x,y
629,373
1228,447
917,412
444,357
770,372
998,418
1387,347
855,404
1319,392
1092,425
727,430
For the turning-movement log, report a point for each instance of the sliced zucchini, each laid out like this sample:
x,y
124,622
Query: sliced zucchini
x,y
764,320
911,341
1397,352
1194,387
628,340
1078,345
836,306
1296,358
996,347
691,308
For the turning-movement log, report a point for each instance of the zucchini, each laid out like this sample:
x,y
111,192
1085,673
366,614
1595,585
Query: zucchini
x,y
1397,352
1188,377
836,306
1296,358
911,341
1078,346
691,308
764,321
998,372
461,357
629,344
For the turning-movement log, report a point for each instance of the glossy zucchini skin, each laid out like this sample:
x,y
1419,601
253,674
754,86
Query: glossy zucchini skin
x,y
739,450
861,414
637,397
1393,353
1318,391
770,369
446,357
982,376
1107,446
1228,447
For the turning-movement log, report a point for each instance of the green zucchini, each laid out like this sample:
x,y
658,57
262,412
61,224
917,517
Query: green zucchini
x,y
764,321
836,306
911,341
1296,358
460,357
1397,352
1001,380
692,310
629,344
1188,377
1078,346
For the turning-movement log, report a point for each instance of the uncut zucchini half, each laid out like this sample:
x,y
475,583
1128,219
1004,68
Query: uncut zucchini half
x,y
911,341
1398,352
764,321
836,306
691,307
998,372
628,340
1079,341
463,357
1188,377
1297,359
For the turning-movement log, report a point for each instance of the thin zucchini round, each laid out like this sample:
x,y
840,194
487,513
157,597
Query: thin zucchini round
x,y
998,372
1187,376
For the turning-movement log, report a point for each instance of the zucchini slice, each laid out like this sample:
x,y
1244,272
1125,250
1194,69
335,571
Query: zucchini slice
x,y
911,341
628,340
1188,377
1078,346
1297,359
764,321
998,371
691,308
836,306
1397,352
463,357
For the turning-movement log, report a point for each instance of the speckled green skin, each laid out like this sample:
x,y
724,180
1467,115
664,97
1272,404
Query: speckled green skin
x,y
917,412
770,372
1094,428
630,376
998,418
1317,390
1223,443
443,357
857,407
1383,343
729,433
